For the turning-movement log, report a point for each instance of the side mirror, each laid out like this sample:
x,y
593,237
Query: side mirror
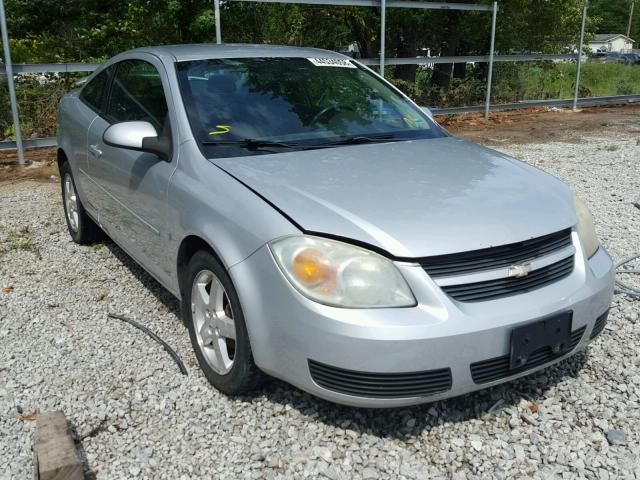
x,y
140,136
427,111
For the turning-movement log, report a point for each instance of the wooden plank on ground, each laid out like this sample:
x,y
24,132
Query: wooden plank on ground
x,y
54,451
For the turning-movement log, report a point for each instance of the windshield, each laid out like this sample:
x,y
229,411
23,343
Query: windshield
x,y
246,106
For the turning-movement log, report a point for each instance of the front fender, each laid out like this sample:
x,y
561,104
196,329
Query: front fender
x,y
206,202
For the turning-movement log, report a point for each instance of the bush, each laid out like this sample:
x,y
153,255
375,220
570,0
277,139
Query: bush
x,y
626,87
38,96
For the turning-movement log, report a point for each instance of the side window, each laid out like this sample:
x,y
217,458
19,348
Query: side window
x,y
93,92
137,94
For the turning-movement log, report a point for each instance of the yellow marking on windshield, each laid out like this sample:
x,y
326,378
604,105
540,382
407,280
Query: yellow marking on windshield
x,y
222,129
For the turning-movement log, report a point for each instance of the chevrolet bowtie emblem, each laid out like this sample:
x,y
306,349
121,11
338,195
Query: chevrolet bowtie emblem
x,y
519,271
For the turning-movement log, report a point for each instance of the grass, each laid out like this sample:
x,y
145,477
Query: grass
x,y
544,81
17,239
515,82
596,80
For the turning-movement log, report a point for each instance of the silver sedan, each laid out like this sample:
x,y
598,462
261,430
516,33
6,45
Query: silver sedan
x,y
321,228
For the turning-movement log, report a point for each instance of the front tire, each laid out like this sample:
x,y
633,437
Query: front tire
x,y
82,228
217,328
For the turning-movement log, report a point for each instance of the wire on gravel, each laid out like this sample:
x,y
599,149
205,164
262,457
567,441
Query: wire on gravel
x,y
622,287
165,345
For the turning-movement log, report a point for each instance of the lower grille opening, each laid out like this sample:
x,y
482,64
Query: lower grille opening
x,y
496,368
380,385
601,322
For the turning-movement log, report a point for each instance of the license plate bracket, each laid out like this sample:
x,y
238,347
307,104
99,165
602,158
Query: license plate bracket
x,y
551,332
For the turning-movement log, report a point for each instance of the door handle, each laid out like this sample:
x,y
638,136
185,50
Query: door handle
x,y
95,151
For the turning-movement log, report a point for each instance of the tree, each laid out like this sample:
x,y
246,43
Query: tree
x,y
82,30
612,16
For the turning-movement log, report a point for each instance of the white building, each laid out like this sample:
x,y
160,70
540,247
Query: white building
x,y
611,42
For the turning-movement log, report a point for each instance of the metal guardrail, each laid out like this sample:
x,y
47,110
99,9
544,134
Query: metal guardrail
x,y
583,102
50,67
31,143
468,59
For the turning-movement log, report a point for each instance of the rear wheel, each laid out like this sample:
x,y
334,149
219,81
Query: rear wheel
x,y
82,228
216,327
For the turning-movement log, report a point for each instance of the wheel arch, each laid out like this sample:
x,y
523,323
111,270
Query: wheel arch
x,y
188,247
61,157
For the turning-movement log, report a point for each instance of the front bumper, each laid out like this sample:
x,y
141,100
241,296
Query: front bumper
x,y
287,330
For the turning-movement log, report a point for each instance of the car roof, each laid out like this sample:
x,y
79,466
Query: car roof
x,y
235,50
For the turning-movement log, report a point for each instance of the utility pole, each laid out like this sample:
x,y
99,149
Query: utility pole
x,y
633,2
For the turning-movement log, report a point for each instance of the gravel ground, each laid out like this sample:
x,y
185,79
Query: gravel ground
x,y
137,416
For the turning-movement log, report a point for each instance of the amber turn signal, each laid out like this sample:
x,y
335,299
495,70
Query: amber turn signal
x,y
310,268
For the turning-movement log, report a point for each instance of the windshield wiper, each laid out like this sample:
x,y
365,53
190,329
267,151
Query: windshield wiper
x,y
359,139
251,143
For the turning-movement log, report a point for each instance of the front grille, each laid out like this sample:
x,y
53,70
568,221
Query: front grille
x,y
495,257
601,321
496,368
380,385
503,287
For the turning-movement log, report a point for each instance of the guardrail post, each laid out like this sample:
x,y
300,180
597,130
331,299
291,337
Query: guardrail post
x,y
487,105
216,12
584,21
383,20
12,90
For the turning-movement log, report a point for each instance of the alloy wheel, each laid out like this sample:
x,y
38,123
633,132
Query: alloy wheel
x,y
214,325
71,202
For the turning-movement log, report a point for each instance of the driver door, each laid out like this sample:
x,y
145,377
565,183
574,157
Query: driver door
x,y
134,184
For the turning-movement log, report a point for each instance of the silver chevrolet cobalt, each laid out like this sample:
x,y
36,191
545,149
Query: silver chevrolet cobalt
x,y
321,228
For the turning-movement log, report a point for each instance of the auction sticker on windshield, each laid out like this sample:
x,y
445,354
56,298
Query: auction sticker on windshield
x,y
331,62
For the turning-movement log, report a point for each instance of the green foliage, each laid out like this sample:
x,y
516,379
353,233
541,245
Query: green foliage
x,y
517,82
608,79
38,97
77,30
612,16
6,125
203,24
16,239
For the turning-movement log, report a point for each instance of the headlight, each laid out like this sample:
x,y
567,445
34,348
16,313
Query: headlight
x,y
586,230
339,274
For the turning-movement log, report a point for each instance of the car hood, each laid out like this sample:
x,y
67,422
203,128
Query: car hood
x,y
413,198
